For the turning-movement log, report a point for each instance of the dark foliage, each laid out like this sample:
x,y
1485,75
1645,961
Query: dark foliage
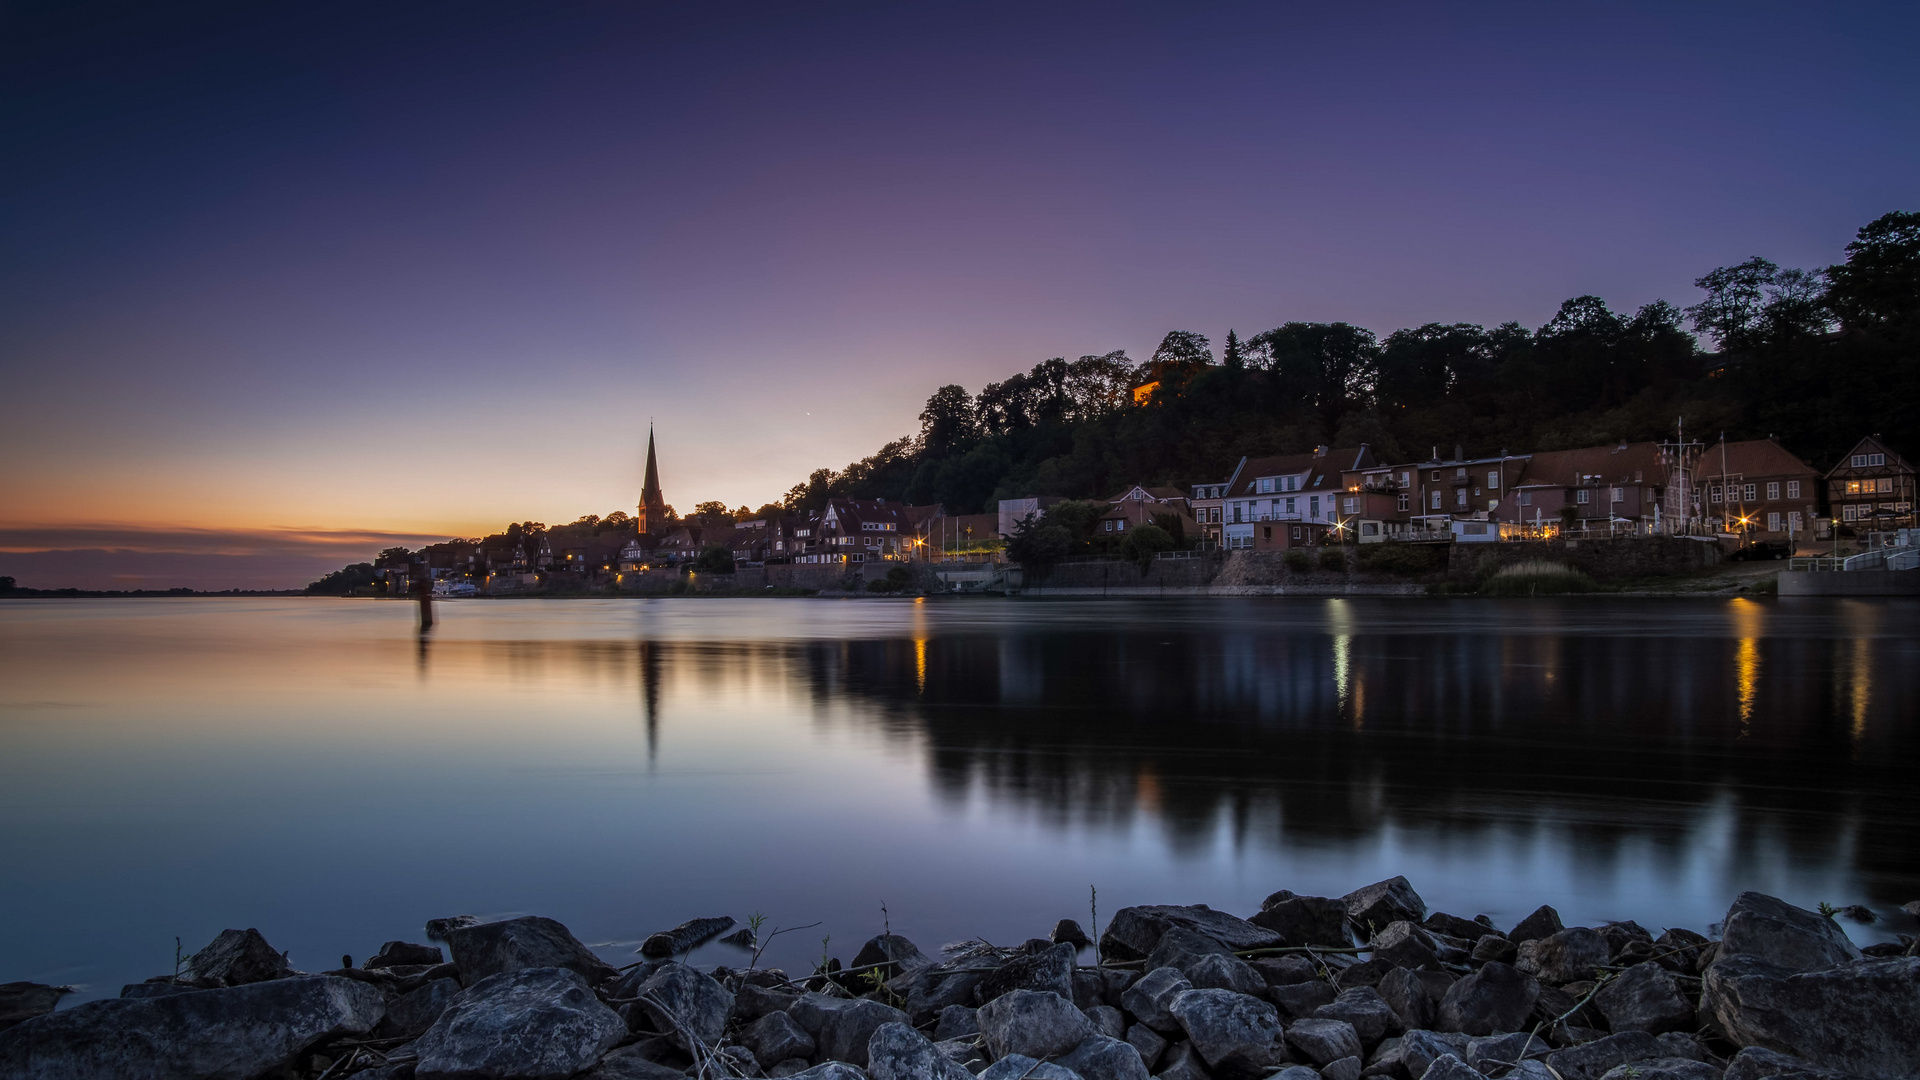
x,y
343,581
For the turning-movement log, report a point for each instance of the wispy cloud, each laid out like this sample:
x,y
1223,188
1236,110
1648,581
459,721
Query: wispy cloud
x,y
122,557
185,541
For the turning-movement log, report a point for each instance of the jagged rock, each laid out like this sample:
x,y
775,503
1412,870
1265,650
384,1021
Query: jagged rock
x,y
1229,1030
775,1037
956,1021
1135,931
1182,1062
404,954
1759,1063
1681,1044
1296,1000
1022,1067
530,941
1412,1002
934,988
1370,909
233,1033
1035,1023
1861,1018
1100,986
1297,1072
410,1014
1221,972
1068,932
1448,1067
1306,920
842,1027
1148,1043
235,958
1148,999
685,1004
1322,1041
1286,970
1564,957
1416,1052
739,939
1531,1069
20,1001
1645,997
967,1052
1050,970
438,929
1347,1068
1622,934
1107,1020
1783,935
1494,947
1181,948
751,1002
1544,922
1363,1007
1679,950
1403,944
1365,973
526,1024
1106,1058
626,1063
1440,922
901,956
1494,1054
1591,1061
1494,999
840,1070
681,938
1663,1069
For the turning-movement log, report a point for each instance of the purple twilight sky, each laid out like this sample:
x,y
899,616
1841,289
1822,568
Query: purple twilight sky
x,y
286,282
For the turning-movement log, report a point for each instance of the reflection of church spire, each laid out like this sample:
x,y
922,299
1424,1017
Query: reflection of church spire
x,y
650,695
653,508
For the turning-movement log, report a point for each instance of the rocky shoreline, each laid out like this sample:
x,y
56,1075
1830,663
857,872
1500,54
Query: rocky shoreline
x,y
1371,984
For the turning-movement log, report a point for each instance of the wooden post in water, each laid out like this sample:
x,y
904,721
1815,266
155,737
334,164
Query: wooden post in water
x,y
423,589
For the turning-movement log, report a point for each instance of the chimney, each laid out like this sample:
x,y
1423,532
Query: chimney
x,y
1459,452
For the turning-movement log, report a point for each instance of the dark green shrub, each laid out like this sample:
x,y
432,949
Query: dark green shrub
x,y
1394,557
1297,561
1333,559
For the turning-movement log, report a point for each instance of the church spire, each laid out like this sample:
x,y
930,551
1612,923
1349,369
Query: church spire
x,y
653,508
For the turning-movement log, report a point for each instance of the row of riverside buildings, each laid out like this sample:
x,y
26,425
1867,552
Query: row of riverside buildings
x,y
1755,490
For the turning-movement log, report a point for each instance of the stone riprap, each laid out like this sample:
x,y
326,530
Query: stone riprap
x,y
1369,985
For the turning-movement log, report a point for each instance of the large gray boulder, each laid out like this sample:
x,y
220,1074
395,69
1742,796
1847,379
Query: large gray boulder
x,y
1181,948
1494,999
1222,972
1363,1007
1105,1058
956,1021
686,1005
1591,1061
627,1063
1038,1024
1408,995
25,1000
1182,1062
1544,922
1149,1043
1229,1030
236,1033
528,1024
1495,1054
1149,998
1306,920
895,956
1449,1067
530,941
405,954
895,1051
1324,1041
1412,1054
235,958
681,938
843,1027
1370,909
1022,1067
933,988
1135,931
840,1070
1050,969
1862,1017
1404,944
1568,956
1759,1063
1783,935
410,1014
1645,997
1664,1069
1297,1000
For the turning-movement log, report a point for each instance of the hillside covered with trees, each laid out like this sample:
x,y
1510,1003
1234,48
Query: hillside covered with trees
x,y
1816,357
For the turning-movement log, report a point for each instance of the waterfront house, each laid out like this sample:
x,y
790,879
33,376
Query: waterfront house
x,y
1756,488
1617,488
1140,505
1443,490
1013,511
1267,497
1872,487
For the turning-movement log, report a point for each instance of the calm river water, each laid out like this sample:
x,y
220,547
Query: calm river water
x,y
319,770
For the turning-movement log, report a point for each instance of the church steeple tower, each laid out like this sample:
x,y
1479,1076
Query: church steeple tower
x,y
652,517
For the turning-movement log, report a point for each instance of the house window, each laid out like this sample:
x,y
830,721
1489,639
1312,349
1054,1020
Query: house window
x,y
1773,522
1460,472
1750,492
1493,480
1436,500
1106,526
1619,494
1120,526
1773,489
1401,502
1296,532
1793,489
1266,484
1793,521
1886,483
1460,498
1267,531
1849,513
1313,506
1582,496
1713,492
1290,505
1436,476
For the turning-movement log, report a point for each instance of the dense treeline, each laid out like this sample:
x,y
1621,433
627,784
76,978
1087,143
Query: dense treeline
x,y
1818,358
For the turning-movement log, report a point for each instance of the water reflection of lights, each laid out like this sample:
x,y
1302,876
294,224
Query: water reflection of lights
x,y
1340,622
920,663
1747,620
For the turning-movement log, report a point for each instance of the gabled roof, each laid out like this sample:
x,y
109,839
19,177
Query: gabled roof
x,y
1620,463
1754,457
1871,445
1321,468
